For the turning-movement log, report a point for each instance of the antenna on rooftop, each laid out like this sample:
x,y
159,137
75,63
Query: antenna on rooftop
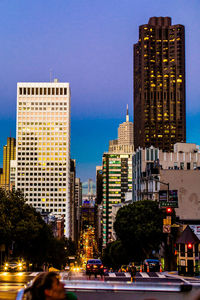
x,y
127,115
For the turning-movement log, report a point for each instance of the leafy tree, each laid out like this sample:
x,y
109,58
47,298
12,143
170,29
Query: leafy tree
x,y
115,255
139,228
23,229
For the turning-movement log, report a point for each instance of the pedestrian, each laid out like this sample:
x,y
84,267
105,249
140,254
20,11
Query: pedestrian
x,y
47,286
133,272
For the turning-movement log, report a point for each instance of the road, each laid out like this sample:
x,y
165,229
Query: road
x,y
10,283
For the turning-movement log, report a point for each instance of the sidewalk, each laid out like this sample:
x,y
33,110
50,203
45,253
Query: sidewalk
x,y
175,275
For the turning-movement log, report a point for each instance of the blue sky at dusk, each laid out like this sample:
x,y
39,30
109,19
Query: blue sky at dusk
x,y
88,43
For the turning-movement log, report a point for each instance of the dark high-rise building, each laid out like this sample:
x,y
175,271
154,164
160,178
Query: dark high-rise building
x,y
159,85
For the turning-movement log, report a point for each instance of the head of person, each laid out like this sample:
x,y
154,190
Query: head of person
x,y
46,286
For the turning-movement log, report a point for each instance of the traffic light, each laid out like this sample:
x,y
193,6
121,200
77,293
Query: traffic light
x,y
189,245
168,210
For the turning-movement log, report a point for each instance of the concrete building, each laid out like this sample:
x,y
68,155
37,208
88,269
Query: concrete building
x,y
117,175
99,184
155,170
43,147
78,204
9,153
13,164
159,85
73,225
124,143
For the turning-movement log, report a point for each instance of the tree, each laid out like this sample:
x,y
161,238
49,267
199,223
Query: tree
x,y
115,255
139,228
22,228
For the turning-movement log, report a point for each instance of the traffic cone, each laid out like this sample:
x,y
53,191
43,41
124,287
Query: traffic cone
x,y
140,268
160,268
147,269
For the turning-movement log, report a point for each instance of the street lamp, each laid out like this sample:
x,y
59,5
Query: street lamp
x,y
165,183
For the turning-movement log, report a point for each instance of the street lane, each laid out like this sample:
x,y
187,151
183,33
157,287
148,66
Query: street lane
x,y
10,283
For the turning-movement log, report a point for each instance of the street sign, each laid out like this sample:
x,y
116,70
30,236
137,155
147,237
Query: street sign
x,y
163,195
166,228
170,200
164,204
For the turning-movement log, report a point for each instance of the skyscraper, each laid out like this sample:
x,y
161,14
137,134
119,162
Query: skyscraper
x,y
124,143
159,85
117,174
9,153
43,146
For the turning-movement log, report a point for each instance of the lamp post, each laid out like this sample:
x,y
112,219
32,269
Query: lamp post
x,y
165,183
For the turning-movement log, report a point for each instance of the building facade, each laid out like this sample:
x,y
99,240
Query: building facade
x,y
117,181
117,175
73,228
159,85
124,143
9,153
78,205
155,170
43,147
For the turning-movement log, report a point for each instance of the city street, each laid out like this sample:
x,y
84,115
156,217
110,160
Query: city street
x,y
10,283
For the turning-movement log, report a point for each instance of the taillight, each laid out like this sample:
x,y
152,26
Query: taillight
x,y
101,266
88,266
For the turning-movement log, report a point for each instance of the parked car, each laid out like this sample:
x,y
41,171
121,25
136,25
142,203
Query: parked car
x,y
151,265
94,266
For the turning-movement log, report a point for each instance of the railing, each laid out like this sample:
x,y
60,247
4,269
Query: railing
x,y
114,290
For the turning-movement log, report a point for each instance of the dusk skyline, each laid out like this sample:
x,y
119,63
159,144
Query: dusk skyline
x,y
90,45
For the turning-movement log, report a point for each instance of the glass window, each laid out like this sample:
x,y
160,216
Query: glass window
x,y
147,153
182,249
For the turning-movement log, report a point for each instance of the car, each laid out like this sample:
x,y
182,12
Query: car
x,y
14,266
151,265
94,266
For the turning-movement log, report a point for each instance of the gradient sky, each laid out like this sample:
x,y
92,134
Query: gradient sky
x,y
88,43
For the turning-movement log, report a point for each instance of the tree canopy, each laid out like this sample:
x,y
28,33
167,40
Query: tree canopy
x,y
139,228
23,231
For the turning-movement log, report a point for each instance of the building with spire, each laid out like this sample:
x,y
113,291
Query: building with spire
x,y
117,175
124,143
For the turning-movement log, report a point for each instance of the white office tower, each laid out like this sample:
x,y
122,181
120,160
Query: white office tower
x,y
43,146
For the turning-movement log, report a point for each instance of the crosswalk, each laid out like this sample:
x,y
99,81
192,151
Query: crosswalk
x,y
138,274
119,276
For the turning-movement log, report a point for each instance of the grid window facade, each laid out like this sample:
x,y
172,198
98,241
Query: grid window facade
x,y
43,146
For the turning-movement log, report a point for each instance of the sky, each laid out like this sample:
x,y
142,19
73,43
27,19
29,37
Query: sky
x,y
88,43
